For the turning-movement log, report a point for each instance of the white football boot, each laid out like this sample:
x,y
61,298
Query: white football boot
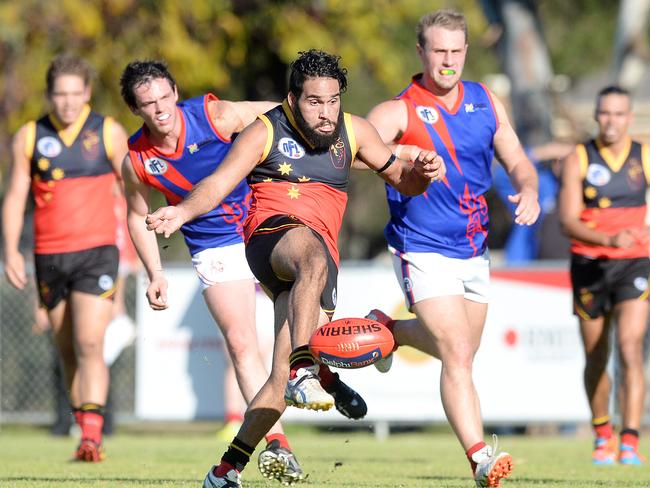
x,y
305,391
491,466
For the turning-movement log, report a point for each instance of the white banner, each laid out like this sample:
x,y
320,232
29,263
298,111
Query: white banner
x,y
528,369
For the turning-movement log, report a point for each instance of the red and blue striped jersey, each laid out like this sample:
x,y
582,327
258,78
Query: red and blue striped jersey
x,y
451,217
200,150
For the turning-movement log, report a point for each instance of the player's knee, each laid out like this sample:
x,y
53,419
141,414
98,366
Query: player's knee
x,y
313,267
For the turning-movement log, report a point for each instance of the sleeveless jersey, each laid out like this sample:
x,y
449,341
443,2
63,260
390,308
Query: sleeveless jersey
x,y
294,179
451,217
614,196
73,183
200,150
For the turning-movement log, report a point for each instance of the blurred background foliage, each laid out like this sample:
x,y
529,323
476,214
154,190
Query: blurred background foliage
x,y
240,50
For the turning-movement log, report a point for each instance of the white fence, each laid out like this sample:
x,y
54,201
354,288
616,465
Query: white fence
x,y
529,367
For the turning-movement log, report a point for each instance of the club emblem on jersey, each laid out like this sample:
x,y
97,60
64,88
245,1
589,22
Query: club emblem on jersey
x,y
49,147
337,154
290,148
192,148
155,166
598,175
89,145
428,115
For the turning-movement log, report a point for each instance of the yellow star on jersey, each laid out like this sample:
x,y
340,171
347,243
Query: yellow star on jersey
x,y
304,179
58,173
43,164
285,169
293,193
591,192
267,180
604,202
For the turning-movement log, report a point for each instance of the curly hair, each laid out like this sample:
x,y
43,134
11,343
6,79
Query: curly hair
x,y
315,64
138,73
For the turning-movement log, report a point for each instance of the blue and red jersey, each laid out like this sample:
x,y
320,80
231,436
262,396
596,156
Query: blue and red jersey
x,y
200,150
451,217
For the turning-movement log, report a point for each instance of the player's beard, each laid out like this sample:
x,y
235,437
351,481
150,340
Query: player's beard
x,y
318,140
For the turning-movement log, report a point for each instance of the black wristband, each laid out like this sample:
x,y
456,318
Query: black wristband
x,y
390,161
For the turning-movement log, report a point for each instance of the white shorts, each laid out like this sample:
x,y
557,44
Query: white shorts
x,y
221,264
425,275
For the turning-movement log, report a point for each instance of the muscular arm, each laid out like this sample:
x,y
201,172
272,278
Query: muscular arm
x,y
145,243
119,147
243,156
521,171
408,179
231,117
13,210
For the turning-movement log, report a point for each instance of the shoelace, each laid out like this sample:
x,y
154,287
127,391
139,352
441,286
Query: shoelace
x,y
310,374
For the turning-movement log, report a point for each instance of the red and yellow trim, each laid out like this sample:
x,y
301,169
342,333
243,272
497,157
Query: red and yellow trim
x,y
30,138
269,136
583,160
614,162
69,134
352,138
645,161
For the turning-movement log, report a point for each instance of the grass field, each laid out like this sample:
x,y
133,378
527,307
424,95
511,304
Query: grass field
x,y
31,458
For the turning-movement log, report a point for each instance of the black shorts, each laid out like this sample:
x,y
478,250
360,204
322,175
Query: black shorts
x,y
89,271
599,284
258,252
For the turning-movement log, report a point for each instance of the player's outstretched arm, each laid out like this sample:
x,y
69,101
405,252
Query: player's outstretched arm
x,y
137,199
13,210
244,155
409,178
520,169
232,117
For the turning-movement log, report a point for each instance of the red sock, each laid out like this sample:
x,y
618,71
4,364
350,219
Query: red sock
x,y
281,438
222,469
475,448
76,412
603,427
326,376
91,426
630,437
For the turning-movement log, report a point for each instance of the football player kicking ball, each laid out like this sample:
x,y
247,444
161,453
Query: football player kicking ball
x,y
297,158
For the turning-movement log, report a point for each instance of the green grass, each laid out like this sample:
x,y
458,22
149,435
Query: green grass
x,y
30,458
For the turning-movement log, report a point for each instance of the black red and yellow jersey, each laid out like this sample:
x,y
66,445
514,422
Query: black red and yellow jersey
x,y
614,195
295,179
73,183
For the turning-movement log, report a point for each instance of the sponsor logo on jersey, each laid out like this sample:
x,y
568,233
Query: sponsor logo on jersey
x,y
473,107
290,148
155,166
49,147
598,175
105,282
428,115
192,148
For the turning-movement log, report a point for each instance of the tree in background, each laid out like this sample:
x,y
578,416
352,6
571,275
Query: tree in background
x,y
239,49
